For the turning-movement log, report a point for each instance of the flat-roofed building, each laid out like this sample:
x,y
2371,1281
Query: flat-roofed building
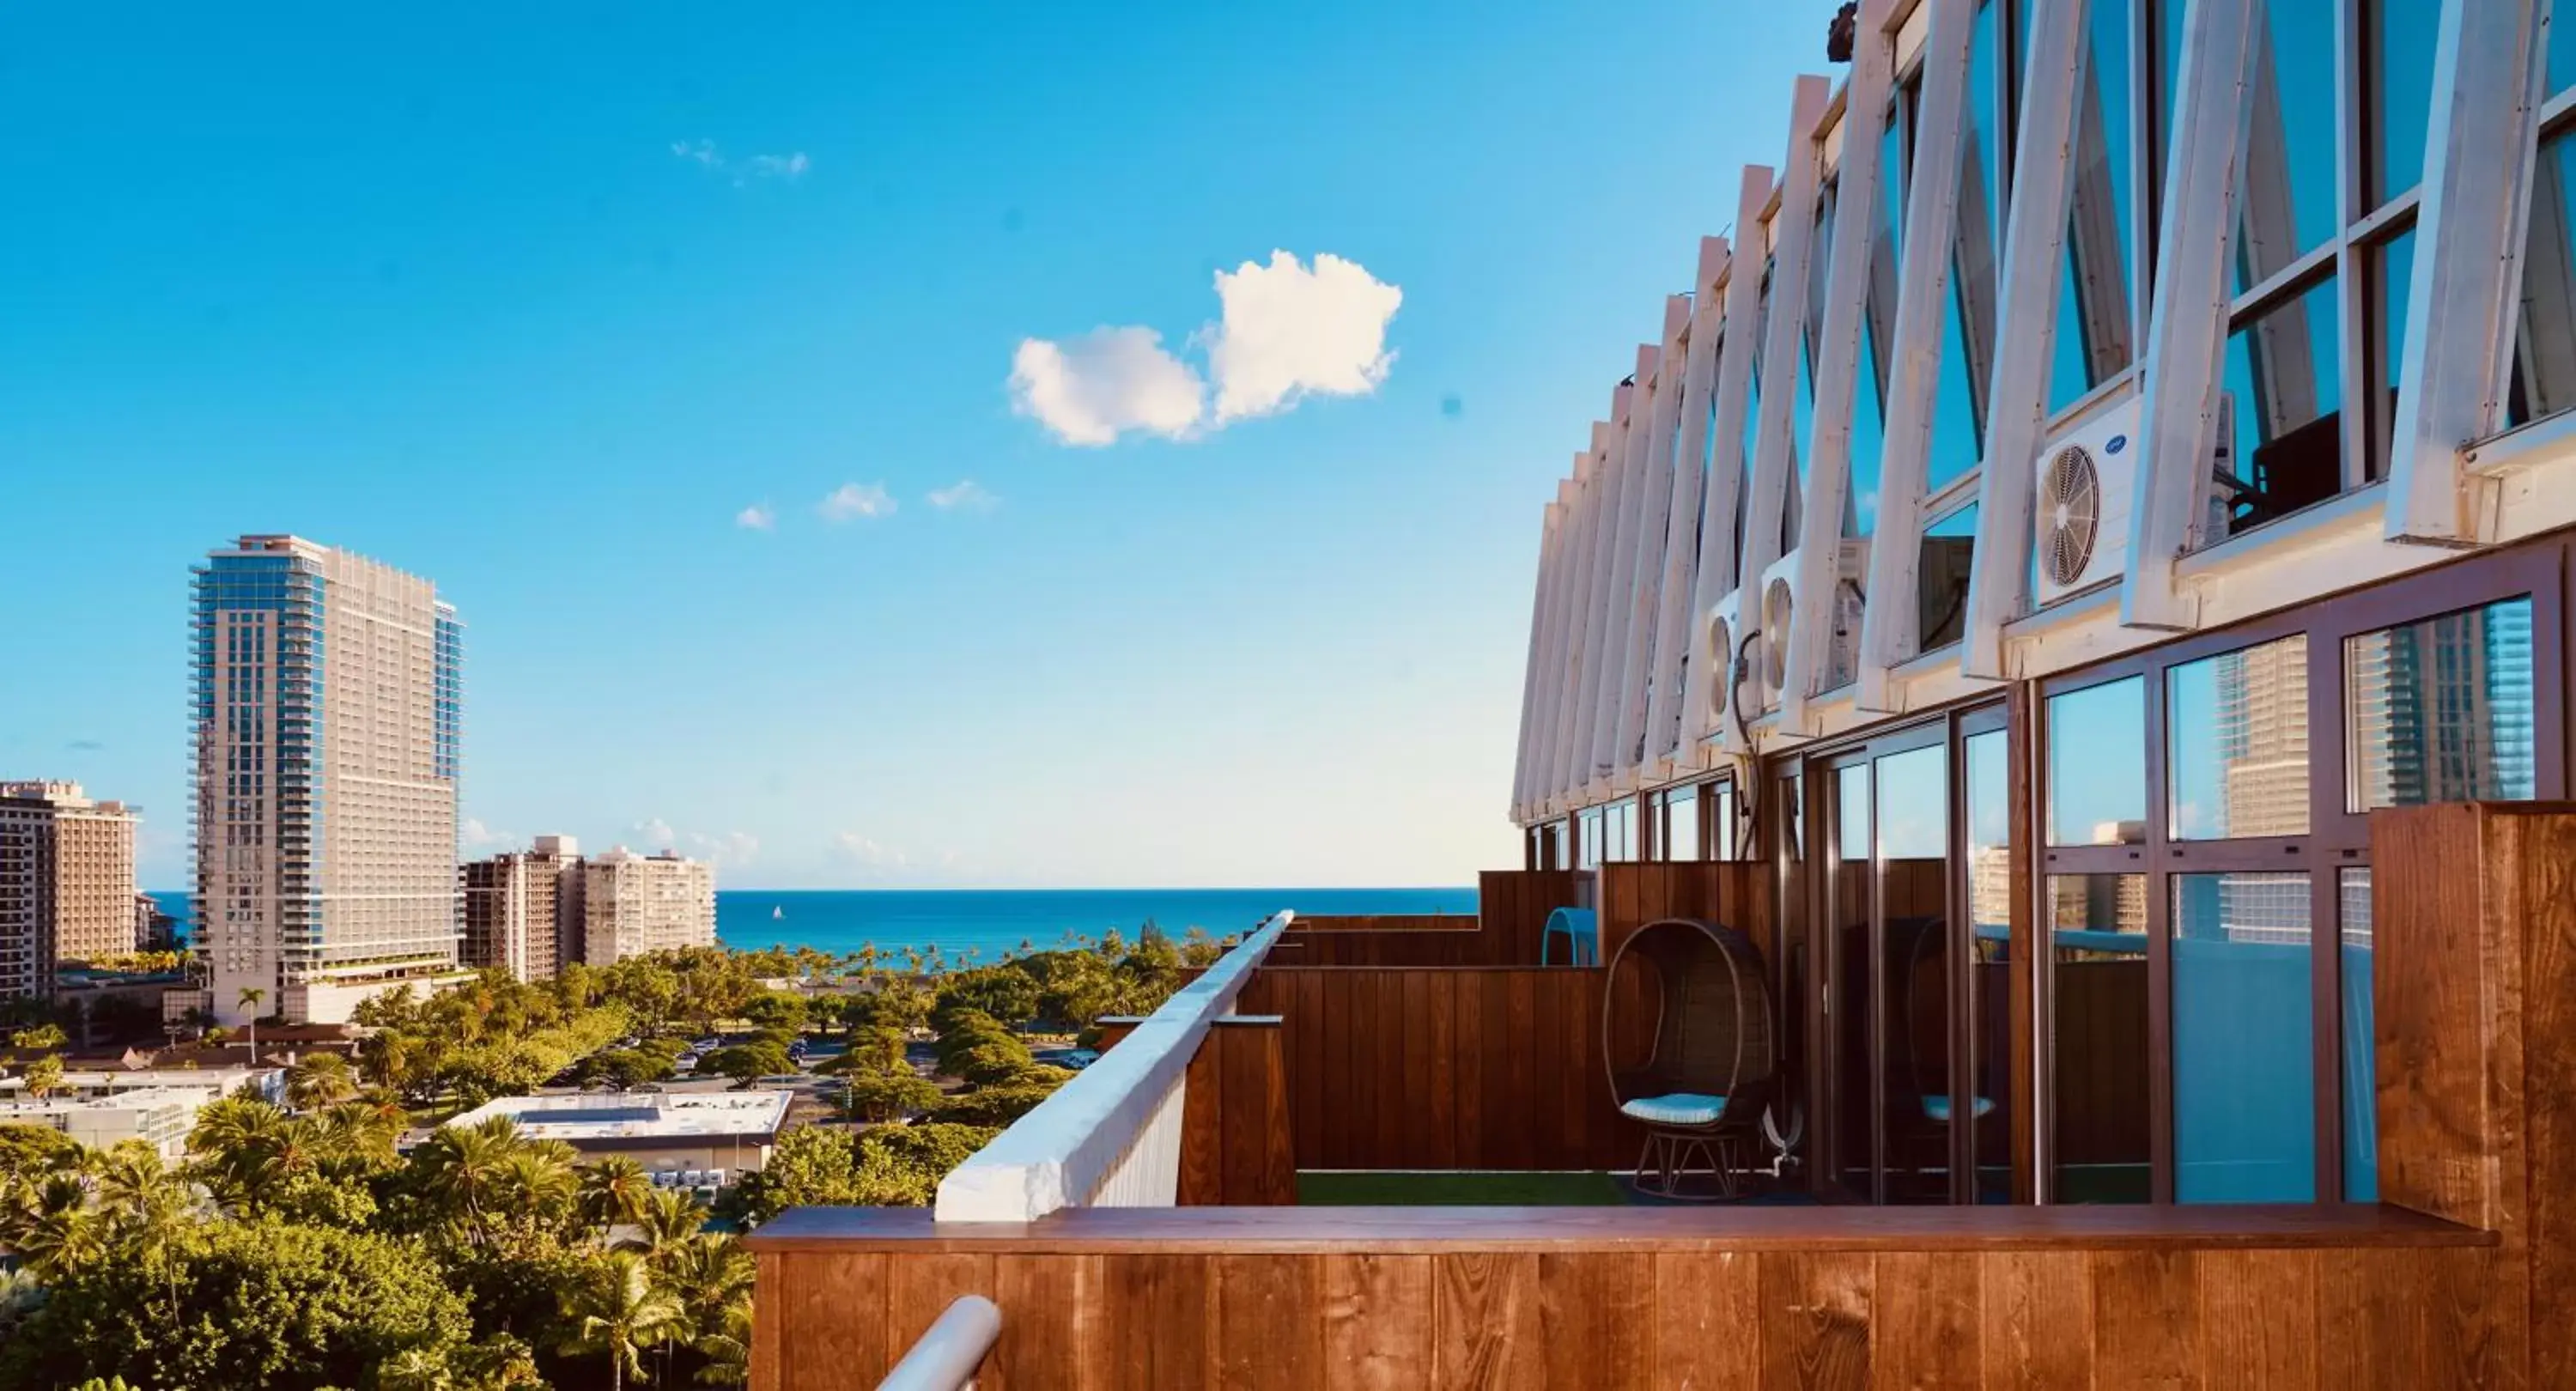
x,y
728,1133
633,904
158,1116
67,888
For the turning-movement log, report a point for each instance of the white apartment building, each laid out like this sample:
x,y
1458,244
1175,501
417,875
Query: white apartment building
x,y
633,904
523,909
66,881
327,710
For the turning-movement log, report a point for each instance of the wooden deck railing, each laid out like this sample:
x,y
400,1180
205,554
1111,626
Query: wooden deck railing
x,y
1112,1135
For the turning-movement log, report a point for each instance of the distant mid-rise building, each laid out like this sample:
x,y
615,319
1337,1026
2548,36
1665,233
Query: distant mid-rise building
x,y
66,882
327,711
155,929
633,904
520,907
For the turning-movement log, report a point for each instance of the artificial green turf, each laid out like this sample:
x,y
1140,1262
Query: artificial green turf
x,y
1382,1188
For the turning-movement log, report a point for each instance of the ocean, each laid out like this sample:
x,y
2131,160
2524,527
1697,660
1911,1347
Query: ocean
x,y
989,922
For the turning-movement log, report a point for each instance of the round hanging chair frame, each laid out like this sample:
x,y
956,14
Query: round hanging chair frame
x,y
1750,1059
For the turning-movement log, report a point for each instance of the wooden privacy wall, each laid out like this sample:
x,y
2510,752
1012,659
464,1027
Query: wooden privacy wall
x,y
2474,916
1738,893
1235,1127
1487,1067
2341,1299
1512,907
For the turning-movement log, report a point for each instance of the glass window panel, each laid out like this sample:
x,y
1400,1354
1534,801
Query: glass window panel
x,y
2281,419
2285,194
2544,352
2562,56
1988,789
2093,342
1752,410
2097,764
1851,813
2441,710
1681,824
2360,1065
1914,804
2236,743
1878,328
2392,264
1914,1027
1941,579
2399,36
2244,1067
1588,838
2102,1139
1721,822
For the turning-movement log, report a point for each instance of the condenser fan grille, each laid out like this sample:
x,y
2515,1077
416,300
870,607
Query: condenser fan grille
x,y
1721,665
2070,502
1776,605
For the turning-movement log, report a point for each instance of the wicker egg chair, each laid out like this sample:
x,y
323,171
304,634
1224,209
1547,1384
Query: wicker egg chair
x,y
1716,1051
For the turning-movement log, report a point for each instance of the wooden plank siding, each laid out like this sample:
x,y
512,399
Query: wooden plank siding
x,y
1738,893
1666,1305
1490,1067
1236,1126
1512,908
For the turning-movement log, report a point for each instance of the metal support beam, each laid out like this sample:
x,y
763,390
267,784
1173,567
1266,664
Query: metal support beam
x,y
2186,336
1792,244
1914,367
1856,222
1737,346
1674,641
2043,188
2489,77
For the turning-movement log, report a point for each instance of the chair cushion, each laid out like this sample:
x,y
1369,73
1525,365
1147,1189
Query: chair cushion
x,y
1676,1108
1938,1108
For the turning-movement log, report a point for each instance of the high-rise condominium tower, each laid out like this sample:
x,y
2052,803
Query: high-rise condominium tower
x,y
327,701
520,907
633,904
66,882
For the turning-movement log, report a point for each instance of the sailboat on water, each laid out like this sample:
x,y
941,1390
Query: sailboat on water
x,y
776,913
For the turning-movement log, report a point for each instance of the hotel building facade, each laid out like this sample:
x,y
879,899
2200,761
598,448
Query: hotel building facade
x,y
327,710
67,888
521,907
2122,445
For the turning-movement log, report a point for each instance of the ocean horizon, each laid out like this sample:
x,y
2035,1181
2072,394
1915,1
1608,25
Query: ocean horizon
x,y
983,924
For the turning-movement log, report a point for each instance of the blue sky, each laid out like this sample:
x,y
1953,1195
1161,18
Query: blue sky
x,y
540,304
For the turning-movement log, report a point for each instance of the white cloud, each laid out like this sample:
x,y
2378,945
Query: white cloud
x,y
657,834
1092,389
705,155
732,850
472,834
854,500
756,517
965,494
869,852
1286,331
1289,331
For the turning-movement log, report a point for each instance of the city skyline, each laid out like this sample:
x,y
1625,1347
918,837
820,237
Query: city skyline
x,y
741,394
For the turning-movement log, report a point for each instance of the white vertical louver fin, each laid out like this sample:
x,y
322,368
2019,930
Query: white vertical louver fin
x,y
1784,327
1654,547
1675,653
1613,605
1828,488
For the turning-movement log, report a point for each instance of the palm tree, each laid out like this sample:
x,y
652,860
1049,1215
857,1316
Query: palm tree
x,y
319,1080
464,1165
51,1227
614,1192
708,1273
670,1217
250,1000
619,1311
727,1347
43,1077
540,1181
247,1149
143,1202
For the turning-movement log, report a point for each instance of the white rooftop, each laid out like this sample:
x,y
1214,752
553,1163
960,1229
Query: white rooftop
x,y
608,1116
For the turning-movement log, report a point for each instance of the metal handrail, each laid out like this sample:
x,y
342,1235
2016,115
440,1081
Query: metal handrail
x,y
950,1350
1062,1152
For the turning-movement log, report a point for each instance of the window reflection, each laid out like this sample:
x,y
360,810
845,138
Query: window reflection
x,y
1681,824
2392,265
2441,710
2544,352
2236,743
1941,587
2286,190
2101,1137
2360,1066
2281,419
1588,838
1848,1006
2399,36
1851,813
2092,342
1752,408
1988,788
1720,833
2244,1073
2097,764
1968,329
1914,1030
